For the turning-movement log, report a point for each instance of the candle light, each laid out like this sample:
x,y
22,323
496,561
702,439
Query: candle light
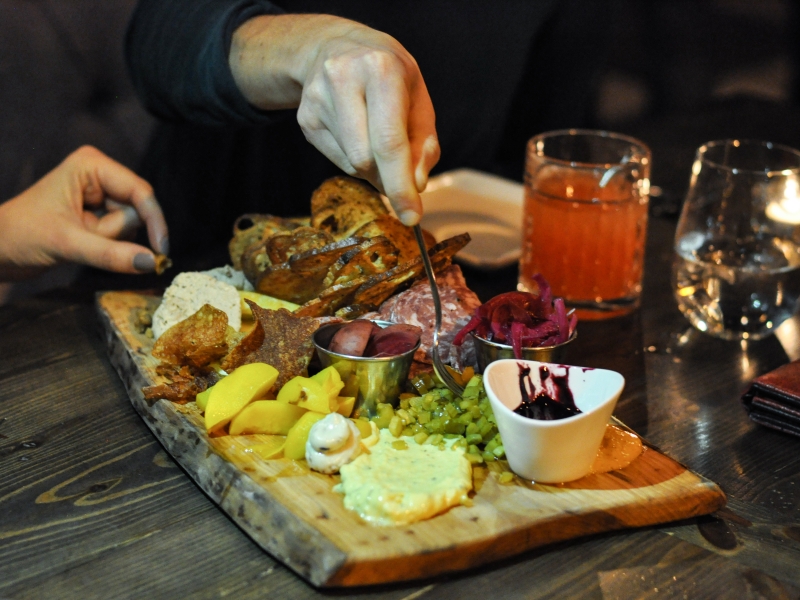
x,y
787,208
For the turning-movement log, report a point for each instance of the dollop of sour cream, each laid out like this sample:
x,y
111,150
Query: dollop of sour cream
x,y
332,442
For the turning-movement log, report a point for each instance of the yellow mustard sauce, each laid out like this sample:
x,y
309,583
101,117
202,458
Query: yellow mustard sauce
x,y
618,449
389,486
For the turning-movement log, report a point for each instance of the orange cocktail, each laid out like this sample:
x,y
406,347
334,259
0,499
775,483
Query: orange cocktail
x,y
584,227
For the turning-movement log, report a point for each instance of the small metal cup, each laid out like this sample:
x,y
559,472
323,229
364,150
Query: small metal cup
x,y
370,380
488,352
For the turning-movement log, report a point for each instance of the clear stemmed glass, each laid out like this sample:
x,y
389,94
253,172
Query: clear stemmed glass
x,y
736,271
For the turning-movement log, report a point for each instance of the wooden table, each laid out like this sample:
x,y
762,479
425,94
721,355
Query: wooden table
x,y
92,507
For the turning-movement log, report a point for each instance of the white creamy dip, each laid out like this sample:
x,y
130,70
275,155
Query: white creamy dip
x,y
390,486
332,442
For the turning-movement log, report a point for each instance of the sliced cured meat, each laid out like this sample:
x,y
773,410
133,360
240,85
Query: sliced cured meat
x,y
415,307
352,338
393,340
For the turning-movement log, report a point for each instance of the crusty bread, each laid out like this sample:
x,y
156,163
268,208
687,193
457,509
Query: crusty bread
x,y
341,205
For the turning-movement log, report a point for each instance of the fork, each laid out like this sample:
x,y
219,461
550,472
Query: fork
x,y
438,366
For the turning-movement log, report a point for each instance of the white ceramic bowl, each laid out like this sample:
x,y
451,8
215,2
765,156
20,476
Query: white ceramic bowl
x,y
552,451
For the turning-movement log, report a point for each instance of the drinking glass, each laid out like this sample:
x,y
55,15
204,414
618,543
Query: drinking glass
x,y
736,270
585,219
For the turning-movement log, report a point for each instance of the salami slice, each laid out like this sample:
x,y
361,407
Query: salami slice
x,y
415,307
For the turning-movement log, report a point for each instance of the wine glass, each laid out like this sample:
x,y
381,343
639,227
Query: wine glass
x,y
736,270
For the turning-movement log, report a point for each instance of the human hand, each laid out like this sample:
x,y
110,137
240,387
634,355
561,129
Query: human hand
x,y
362,99
53,221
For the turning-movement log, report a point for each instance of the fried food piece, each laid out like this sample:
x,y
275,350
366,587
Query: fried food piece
x,y
370,257
300,279
400,235
197,341
183,387
162,263
284,343
285,244
341,205
244,348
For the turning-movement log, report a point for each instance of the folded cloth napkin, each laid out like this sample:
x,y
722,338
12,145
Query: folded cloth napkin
x,y
773,399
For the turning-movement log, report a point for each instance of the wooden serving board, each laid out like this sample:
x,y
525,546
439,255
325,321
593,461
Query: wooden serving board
x,y
293,514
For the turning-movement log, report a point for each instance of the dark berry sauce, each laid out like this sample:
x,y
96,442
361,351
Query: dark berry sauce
x,y
542,406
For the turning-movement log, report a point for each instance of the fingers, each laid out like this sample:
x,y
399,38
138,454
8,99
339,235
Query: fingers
x,y
106,177
367,109
422,136
119,223
387,103
93,249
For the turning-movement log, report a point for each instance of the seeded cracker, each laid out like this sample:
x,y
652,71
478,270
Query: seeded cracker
x,y
285,343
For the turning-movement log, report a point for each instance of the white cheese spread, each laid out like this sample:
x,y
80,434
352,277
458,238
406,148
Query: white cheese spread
x,y
187,294
391,486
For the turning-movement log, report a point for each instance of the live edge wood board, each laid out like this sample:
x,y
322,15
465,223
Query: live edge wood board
x,y
293,514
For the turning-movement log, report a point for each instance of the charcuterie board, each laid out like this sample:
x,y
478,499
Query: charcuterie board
x,y
293,513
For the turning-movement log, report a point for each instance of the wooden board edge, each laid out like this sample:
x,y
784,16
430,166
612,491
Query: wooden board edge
x,y
282,534
513,543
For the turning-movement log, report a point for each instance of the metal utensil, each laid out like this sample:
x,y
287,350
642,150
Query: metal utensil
x,y
438,366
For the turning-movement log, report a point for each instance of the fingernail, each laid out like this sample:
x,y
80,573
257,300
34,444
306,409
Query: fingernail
x,y
144,262
409,217
131,218
164,245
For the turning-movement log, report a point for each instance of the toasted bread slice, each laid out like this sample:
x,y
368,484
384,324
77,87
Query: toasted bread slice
x,y
370,257
250,229
400,235
300,278
283,245
342,205
331,299
378,288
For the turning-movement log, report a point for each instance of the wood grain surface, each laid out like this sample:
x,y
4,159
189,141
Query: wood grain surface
x,y
91,506
294,514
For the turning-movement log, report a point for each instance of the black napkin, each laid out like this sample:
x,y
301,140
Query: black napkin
x,y
773,400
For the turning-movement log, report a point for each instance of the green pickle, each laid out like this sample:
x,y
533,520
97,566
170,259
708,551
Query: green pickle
x,y
436,415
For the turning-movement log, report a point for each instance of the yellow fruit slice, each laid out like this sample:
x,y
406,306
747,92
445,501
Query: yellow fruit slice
x,y
346,404
330,381
364,427
266,416
307,393
232,393
298,435
202,399
271,448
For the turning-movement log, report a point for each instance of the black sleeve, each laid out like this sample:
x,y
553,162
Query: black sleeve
x,y
177,54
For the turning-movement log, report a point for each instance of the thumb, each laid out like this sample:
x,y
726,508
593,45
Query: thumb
x,y
91,249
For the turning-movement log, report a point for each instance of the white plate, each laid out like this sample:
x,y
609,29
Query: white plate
x,y
487,207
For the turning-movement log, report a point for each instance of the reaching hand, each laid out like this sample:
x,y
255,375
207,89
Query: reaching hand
x,y
360,95
54,220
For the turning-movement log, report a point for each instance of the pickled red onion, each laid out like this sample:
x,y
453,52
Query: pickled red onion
x,y
522,320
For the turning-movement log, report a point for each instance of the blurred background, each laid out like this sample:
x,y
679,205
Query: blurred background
x,y
674,73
